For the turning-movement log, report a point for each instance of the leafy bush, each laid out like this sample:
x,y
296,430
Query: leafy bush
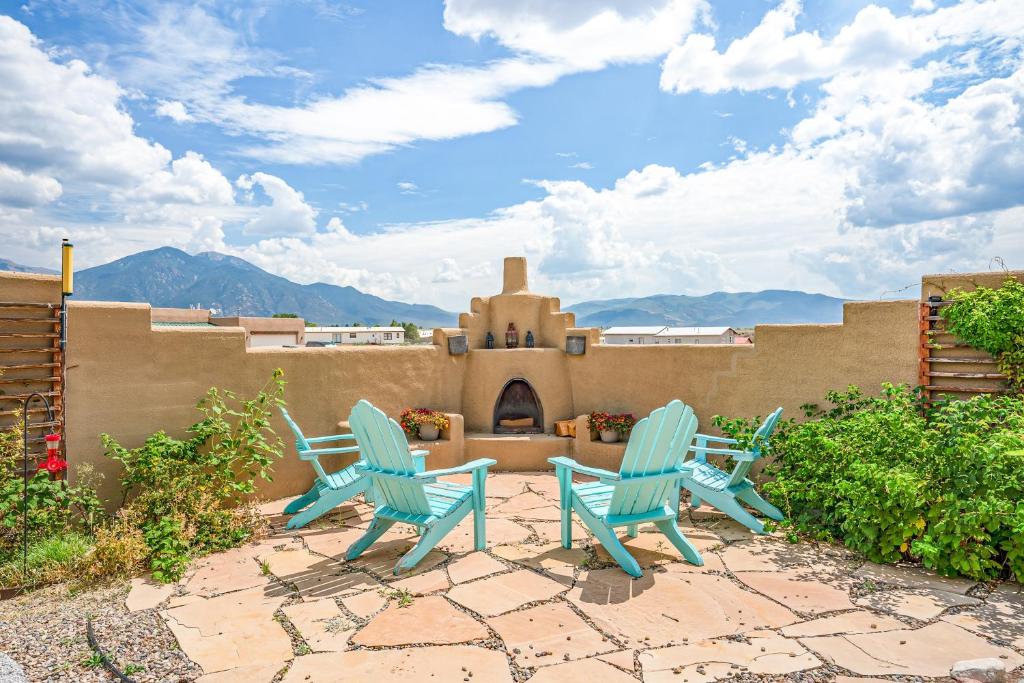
x,y
992,320
895,481
54,507
184,492
120,550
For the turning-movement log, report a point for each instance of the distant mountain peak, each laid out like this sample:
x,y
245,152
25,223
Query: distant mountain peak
x,y
735,309
7,264
169,277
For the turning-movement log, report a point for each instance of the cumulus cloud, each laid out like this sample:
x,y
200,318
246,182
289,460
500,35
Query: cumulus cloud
x,y
585,35
287,214
22,190
775,55
174,110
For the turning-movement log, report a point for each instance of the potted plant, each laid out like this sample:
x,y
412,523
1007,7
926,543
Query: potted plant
x,y
425,423
611,427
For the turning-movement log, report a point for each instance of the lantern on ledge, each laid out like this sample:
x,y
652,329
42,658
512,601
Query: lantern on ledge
x,y
511,337
54,464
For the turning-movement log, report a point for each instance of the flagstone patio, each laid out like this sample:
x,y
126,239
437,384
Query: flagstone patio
x,y
289,608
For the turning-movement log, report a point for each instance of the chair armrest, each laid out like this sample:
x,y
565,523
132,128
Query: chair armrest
x,y
734,454
419,453
333,437
717,439
583,469
313,454
461,469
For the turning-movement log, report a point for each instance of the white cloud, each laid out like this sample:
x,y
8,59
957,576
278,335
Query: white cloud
x,y
584,35
174,110
406,187
21,190
451,271
288,212
583,165
775,55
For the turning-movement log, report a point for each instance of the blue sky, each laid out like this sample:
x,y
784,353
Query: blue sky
x,y
626,148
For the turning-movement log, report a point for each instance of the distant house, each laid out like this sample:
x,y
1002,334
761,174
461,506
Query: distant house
x,y
662,334
258,331
354,335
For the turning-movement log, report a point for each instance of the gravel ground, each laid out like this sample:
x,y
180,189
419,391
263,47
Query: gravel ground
x,y
44,631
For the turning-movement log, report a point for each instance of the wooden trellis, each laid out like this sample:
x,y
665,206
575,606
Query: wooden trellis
x,y
947,365
31,361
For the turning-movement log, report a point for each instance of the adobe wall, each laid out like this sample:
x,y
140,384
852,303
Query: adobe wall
x,y
129,379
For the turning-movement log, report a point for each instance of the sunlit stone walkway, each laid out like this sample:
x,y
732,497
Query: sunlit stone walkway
x,y
288,608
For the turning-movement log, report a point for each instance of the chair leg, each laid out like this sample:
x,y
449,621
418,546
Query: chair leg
x,y
565,504
303,500
479,507
754,500
329,499
694,500
732,508
431,537
377,528
681,542
632,530
606,535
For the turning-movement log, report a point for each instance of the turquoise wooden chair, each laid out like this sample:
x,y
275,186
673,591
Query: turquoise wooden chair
x,y
727,491
329,490
645,489
406,494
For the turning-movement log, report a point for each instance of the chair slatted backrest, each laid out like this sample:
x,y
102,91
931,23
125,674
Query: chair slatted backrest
x,y
300,440
386,452
758,444
657,445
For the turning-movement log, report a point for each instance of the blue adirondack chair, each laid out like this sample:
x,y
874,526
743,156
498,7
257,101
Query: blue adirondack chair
x,y
405,494
645,489
329,490
727,490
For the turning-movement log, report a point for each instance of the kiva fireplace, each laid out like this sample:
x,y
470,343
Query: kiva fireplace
x,y
518,410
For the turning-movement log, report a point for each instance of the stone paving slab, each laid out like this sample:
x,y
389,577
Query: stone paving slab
x,y
856,621
548,634
709,660
321,624
661,608
147,594
928,651
497,529
911,577
582,671
650,547
797,589
451,663
231,630
1000,617
253,673
474,566
918,603
555,561
505,592
423,584
432,620
365,605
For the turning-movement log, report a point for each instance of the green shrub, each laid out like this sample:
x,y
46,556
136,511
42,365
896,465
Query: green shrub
x,y
895,481
992,320
185,493
55,509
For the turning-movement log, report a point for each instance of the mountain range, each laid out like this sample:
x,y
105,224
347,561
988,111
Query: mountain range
x,y
7,264
169,277
733,309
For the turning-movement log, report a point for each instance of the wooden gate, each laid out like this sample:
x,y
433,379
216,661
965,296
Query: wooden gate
x,y
949,367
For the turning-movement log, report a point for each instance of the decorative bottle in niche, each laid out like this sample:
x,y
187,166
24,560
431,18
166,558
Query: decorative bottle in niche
x,y
530,342
490,340
511,337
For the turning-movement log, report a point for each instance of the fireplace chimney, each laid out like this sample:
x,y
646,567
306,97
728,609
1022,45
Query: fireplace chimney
x,y
515,275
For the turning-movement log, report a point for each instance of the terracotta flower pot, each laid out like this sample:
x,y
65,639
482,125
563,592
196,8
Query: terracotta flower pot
x,y
609,435
429,432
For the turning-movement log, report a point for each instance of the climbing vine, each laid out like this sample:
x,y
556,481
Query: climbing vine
x,y
992,320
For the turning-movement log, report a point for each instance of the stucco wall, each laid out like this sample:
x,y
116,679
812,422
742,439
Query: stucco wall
x,y
129,379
